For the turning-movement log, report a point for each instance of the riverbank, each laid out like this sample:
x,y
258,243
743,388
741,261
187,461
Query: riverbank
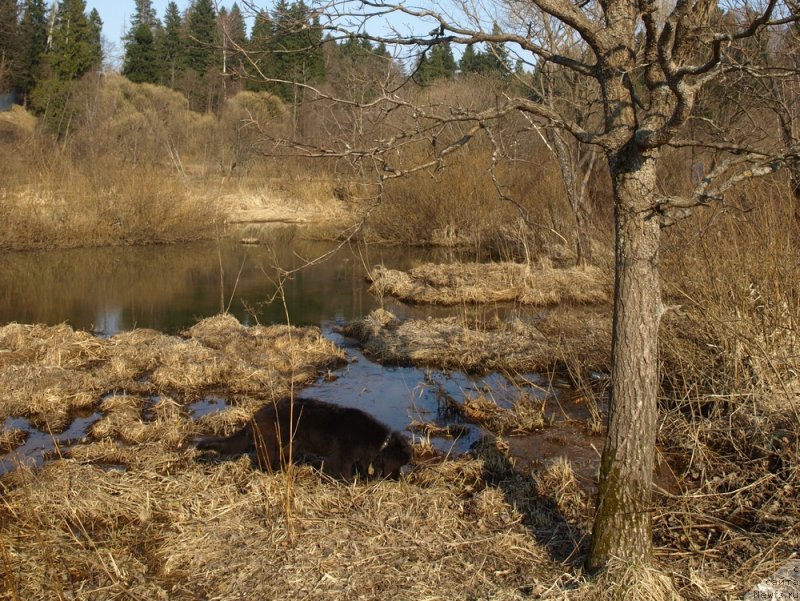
x,y
129,509
90,190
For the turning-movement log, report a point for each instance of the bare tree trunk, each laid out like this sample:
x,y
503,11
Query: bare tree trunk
x,y
583,244
570,169
623,526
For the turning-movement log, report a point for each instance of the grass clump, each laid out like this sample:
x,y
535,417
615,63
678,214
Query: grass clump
x,y
223,531
49,372
524,416
459,283
581,337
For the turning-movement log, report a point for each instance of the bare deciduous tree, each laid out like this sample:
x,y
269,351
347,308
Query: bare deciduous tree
x,y
647,63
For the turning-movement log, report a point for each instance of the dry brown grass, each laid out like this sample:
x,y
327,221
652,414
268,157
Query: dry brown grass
x,y
731,378
513,346
50,372
221,531
737,516
10,439
524,416
459,283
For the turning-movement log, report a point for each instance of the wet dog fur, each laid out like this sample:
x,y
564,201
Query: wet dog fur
x,y
349,441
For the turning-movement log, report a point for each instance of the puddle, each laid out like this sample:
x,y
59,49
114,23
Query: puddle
x,y
399,395
39,445
563,439
206,406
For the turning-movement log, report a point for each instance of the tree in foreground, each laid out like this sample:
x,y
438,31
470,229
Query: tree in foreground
x,y
647,67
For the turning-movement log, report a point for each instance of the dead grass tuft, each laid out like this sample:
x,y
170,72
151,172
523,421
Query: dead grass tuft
x,y
51,372
582,338
737,513
524,416
459,283
622,581
10,439
557,480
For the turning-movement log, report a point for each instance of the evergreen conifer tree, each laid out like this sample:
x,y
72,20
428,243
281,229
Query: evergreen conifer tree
x,y
260,49
142,64
200,53
436,63
9,44
74,49
233,34
171,45
96,38
144,13
497,60
297,48
33,43
471,61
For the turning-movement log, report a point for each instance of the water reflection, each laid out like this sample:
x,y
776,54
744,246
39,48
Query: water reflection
x,y
169,288
108,290
39,445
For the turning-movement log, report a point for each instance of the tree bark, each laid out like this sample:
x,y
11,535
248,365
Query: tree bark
x,y
623,526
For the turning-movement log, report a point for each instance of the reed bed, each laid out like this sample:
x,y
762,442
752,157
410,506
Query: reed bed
x,y
459,283
562,339
523,417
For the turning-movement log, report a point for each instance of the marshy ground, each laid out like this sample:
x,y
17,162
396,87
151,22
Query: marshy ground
x,y
129,511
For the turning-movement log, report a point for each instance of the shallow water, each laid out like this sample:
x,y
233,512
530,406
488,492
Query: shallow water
x,y
41,446
169,288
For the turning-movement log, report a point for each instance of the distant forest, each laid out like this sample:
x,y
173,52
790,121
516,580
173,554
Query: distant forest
x,y
207,54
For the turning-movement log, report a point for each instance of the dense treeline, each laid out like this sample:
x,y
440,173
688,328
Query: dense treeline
x,y
43,51
205,53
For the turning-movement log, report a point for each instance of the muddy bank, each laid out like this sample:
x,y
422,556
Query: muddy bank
x,y
563,339
459,283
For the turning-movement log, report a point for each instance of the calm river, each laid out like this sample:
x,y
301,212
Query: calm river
x,y
169,288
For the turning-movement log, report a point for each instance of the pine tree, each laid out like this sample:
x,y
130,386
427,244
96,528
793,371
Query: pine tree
x,y
436,63
142,63
9,44
144,13
233,37
471,61
200,54
75,45
260,48
33,43
236,25
171,45
297,49
497,60
96,37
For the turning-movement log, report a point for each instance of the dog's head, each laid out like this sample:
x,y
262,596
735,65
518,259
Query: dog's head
x,y
394,454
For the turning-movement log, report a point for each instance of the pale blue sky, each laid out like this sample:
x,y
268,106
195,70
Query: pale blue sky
x,y
116,16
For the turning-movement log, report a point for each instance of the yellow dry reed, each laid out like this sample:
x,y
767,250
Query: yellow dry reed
x,y
459,283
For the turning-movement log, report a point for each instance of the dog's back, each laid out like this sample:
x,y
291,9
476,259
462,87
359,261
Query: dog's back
x,y
347,439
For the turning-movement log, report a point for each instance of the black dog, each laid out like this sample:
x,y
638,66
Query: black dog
x,y
348,440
